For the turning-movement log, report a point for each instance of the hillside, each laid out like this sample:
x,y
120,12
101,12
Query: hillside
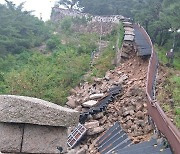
x,y
111,78
52,66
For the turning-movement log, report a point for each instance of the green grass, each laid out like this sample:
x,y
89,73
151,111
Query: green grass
x,y
175,86
177,117
162,57
173,83
105,62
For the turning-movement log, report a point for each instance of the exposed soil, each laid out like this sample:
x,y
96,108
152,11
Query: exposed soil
x,y
129,108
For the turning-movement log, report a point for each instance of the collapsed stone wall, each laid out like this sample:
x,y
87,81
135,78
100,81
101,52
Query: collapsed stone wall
x,y
128,44
129,107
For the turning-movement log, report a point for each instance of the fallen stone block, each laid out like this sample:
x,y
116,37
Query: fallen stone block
x,y
71,103
91,124
96,96
90,103
94,131
44,139
140,115
98,116
98,80
21,109
10,137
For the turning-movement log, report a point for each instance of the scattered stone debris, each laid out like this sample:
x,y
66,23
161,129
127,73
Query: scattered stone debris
x,y
129,108
90,103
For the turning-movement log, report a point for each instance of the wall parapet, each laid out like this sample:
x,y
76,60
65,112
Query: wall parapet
x,y
59,13
28,125
164,125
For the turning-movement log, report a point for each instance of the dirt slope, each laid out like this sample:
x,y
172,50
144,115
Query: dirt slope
x,y
129,108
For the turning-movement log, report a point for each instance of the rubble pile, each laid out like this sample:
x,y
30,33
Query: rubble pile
x,y
129,107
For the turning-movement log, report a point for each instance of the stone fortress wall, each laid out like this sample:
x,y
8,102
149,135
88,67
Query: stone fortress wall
x,y
59,13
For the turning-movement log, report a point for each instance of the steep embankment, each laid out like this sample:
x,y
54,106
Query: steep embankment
x,y
129,108
168,89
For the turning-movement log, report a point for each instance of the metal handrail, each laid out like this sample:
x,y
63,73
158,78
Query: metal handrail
x,y
162,122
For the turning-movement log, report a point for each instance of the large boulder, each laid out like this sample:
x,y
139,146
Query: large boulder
x,y
21,109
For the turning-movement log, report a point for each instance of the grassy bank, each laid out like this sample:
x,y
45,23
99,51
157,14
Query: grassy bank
x,y
171,87
163,59
49,77
106,60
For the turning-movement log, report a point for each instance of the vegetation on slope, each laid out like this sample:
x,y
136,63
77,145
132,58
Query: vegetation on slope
x,y
157,16
106,60
19,30
50,74
47,77
169,96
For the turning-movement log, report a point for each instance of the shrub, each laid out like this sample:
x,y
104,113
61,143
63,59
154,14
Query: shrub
x,y
53,42
66,24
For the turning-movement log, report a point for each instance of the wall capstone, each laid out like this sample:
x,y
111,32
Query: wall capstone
x,y
31,125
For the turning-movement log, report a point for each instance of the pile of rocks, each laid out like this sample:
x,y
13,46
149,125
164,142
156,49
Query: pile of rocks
x,y
87,95
129,108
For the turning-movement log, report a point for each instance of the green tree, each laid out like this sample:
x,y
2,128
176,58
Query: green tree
x,y
19,30
68,3
157,16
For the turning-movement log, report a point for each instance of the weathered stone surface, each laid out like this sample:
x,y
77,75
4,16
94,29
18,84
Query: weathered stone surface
x,y
96,96
10,137
82,150
21,109
96,130
71,103
91,124
44,139
90,103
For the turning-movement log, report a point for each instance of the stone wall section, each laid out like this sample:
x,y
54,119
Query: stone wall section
x,y
59,14
30,125
10,137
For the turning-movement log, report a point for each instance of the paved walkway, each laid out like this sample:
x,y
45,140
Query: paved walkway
x,y
144,48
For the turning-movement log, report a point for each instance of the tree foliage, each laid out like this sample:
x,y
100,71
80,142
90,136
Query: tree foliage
x,y
70,4
46,77
19,30
157,16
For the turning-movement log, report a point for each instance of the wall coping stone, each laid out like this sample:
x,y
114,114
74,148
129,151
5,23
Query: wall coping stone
x,y
22,109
